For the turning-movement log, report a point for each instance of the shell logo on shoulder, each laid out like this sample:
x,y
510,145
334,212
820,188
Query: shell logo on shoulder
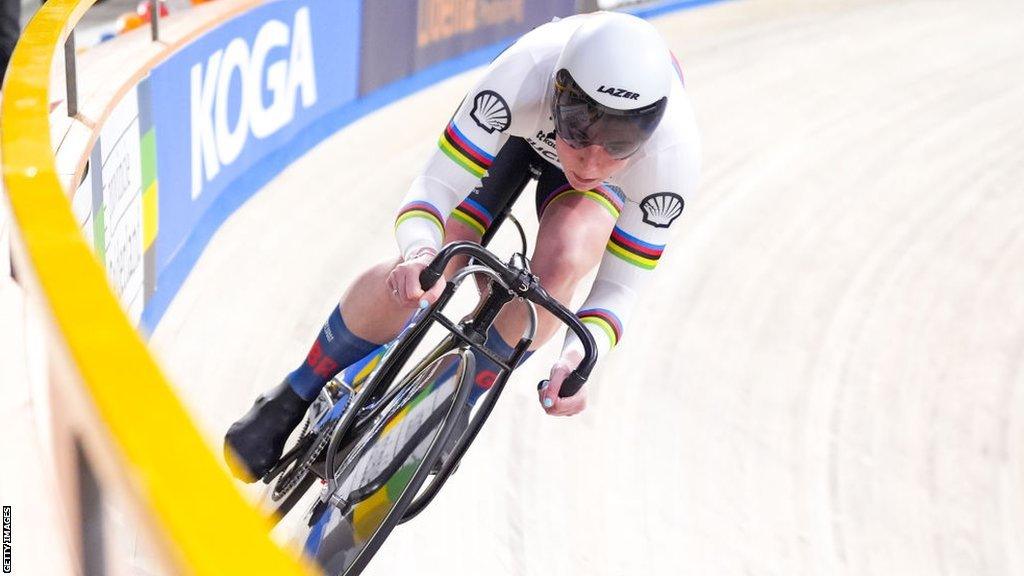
x,y
491,112
661,209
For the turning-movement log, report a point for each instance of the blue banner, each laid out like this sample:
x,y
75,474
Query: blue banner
x,y
238,94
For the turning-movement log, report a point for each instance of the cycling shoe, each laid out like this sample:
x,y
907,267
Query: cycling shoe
x,y
258,438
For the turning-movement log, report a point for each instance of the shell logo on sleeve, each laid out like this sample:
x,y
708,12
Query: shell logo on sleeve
x,y
661,209
491,112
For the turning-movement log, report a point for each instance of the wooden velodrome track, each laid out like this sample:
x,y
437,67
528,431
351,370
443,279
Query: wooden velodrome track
x,y
827,376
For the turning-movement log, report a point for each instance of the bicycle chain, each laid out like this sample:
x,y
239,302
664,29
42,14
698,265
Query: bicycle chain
x,y
292,477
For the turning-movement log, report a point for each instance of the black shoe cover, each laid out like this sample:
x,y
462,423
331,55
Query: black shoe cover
x,y
258,438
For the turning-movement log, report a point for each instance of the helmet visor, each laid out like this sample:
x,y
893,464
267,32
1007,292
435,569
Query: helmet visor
x,y
581,121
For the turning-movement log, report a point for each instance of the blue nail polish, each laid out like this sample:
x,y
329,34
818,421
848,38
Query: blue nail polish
x,y
548,402
424,304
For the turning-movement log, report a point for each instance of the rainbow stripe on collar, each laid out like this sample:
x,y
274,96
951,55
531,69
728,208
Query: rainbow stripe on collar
x,y
420,209
609,198
473,214
604,319
634,250
471,157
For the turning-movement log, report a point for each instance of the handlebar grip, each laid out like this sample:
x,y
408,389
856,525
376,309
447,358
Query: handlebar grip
x,y
429,276
570,386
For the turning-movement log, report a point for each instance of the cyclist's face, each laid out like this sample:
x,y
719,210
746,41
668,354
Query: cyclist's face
x,y
587,167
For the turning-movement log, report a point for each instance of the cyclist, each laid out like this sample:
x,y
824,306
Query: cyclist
x,y
591,106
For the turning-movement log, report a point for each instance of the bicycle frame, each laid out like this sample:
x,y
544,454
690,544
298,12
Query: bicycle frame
x,y
471,332
480,320
361,422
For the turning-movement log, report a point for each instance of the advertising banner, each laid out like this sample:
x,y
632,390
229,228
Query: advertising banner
x,y
236,95
108,203
401,37
120,211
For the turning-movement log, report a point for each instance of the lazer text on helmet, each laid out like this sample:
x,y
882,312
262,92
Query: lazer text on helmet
x,y
618,92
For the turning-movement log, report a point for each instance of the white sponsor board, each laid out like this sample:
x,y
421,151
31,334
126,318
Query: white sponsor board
x,y
121,173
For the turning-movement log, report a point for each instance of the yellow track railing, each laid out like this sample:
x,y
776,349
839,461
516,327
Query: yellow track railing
x,y
206,525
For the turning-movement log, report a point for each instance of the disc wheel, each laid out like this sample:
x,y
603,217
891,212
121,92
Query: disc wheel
x,y
387,465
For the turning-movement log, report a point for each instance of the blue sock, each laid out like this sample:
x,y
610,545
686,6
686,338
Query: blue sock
x,y
486,369
335,348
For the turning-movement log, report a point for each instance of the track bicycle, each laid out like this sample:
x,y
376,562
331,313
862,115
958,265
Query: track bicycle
x,y
383,443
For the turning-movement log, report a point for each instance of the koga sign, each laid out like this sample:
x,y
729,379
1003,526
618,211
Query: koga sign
x,y
233,107
217,140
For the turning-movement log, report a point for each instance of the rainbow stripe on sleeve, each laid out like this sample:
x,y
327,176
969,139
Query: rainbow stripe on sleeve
x,y
604,319
634,250
474,215
471,157
607,197
421,209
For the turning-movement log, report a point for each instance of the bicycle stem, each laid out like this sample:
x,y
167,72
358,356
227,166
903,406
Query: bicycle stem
x,y
525,285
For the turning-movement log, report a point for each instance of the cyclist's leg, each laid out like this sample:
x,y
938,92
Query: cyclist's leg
x,y
574,230
472,220
479,216
366,317
255,442
370,311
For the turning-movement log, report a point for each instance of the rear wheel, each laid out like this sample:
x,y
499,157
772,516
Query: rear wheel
x,y
388,464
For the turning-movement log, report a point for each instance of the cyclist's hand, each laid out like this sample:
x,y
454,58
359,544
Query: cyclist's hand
x,y
548,395
404,280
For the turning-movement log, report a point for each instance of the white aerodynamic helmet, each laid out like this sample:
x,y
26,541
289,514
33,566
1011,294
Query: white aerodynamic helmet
x,y
612,82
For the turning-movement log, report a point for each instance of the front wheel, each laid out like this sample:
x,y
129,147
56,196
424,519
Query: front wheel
x,y
378,479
